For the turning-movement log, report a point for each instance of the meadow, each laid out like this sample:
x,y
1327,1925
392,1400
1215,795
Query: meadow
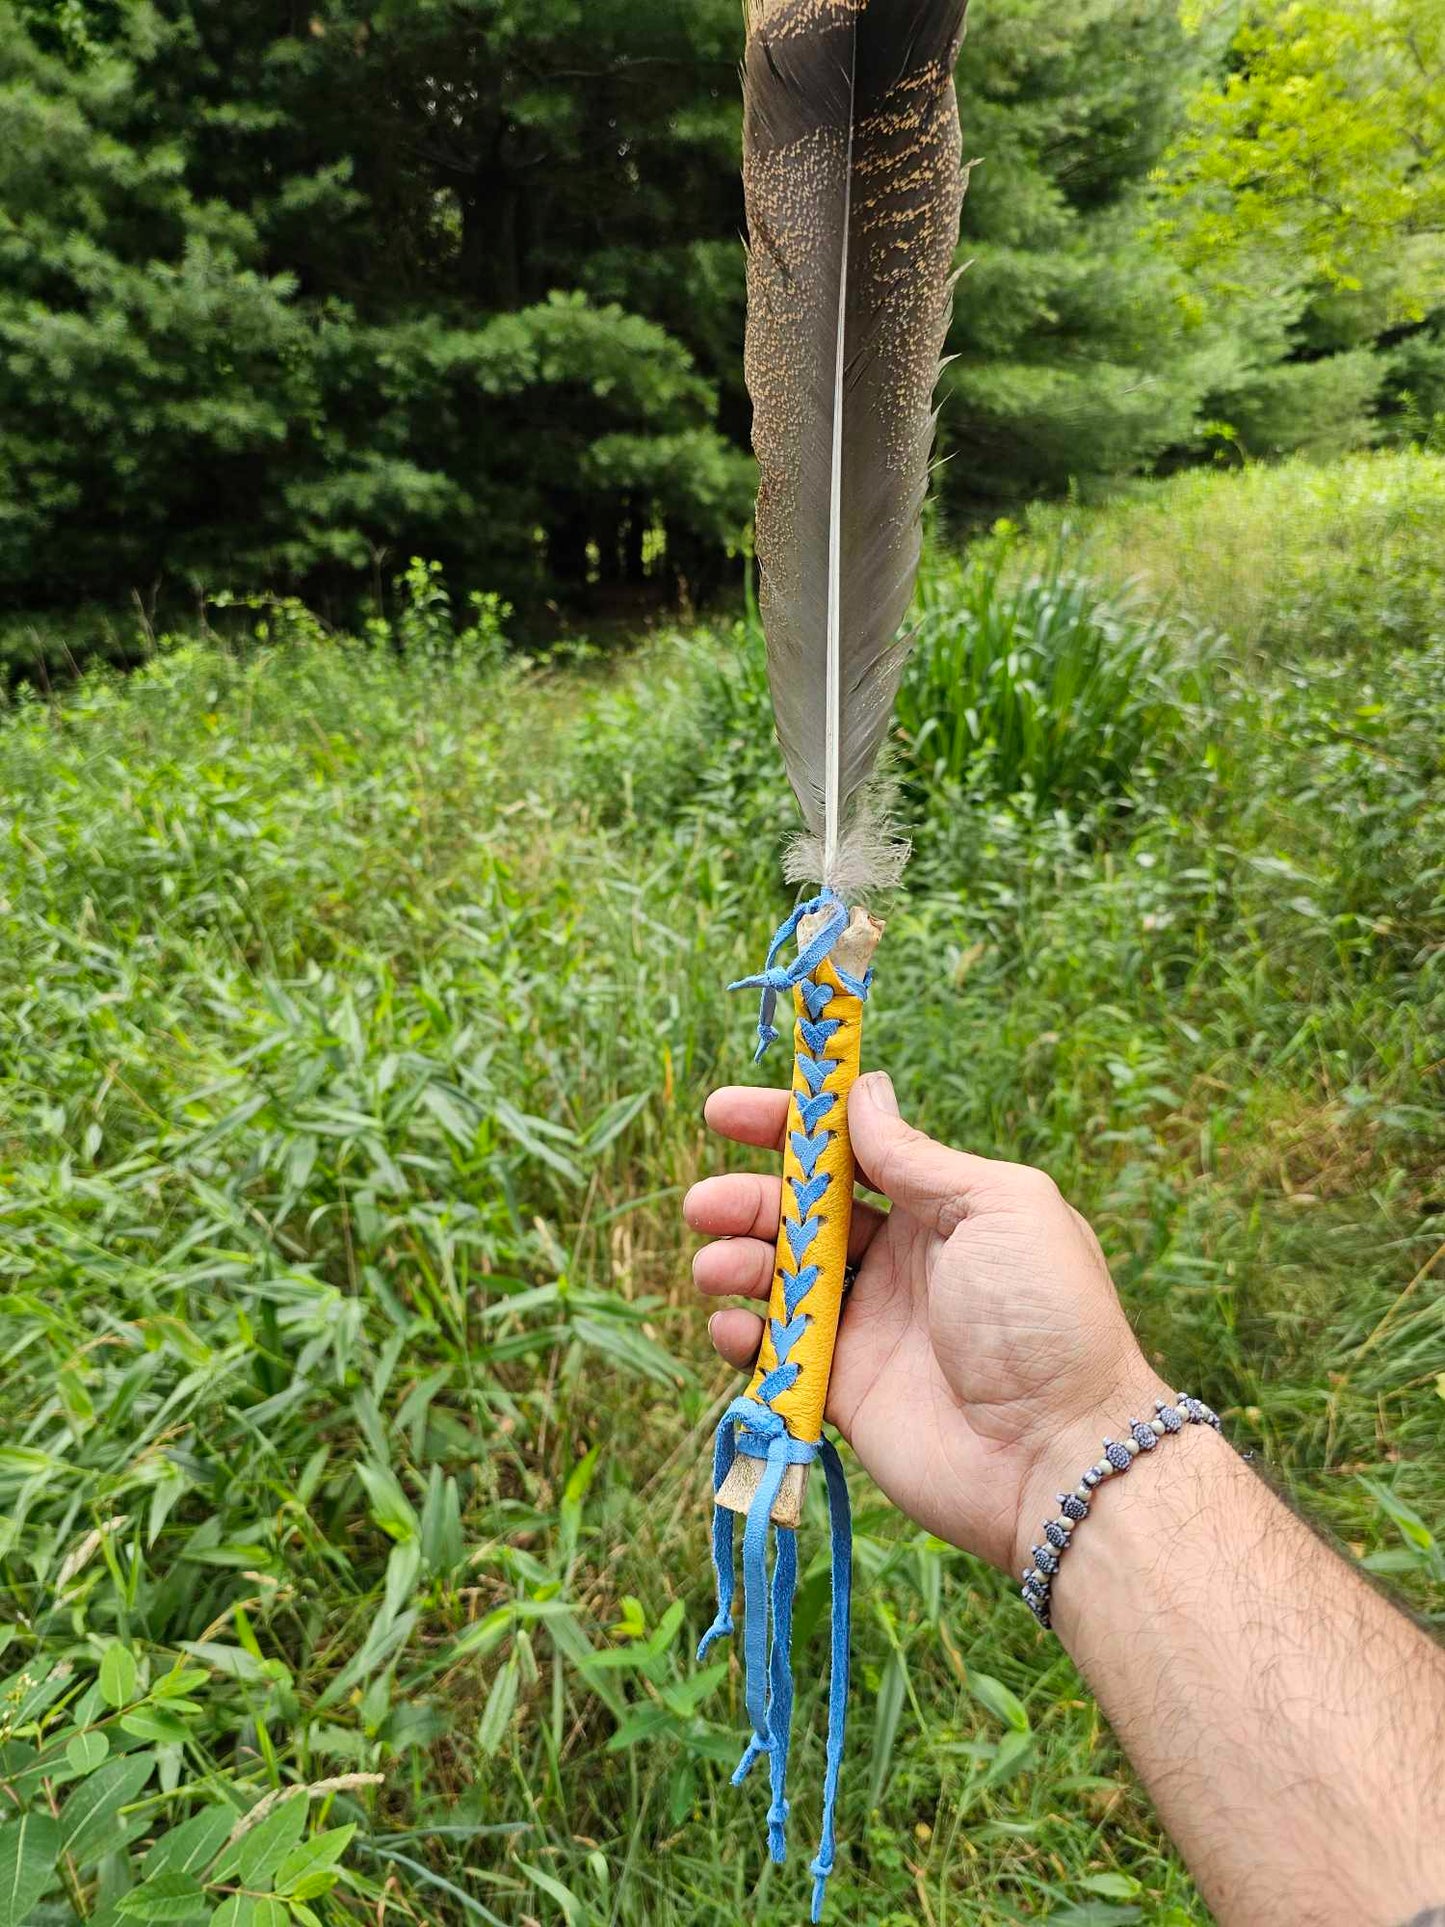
x,y
359,1000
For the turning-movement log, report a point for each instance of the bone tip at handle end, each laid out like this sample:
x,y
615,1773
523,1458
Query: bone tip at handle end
x,y
854,949
736,1491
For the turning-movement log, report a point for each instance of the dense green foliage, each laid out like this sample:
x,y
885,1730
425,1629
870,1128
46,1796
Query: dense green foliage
x,y
276,300
358,1003
1306,193
287,299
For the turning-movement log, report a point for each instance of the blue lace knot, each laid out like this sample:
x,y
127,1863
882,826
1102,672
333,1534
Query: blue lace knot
x,y
775,978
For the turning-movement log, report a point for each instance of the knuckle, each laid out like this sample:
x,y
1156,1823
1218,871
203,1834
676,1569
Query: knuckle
x,y
898,1156
1035,1188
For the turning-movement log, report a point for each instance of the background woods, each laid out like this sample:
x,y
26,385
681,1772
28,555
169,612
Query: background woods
x,y
289,296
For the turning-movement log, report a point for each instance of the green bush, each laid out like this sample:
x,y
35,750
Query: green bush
x,y
1044,681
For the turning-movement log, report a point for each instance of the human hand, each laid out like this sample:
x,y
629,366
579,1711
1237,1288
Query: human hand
x,y
983,1351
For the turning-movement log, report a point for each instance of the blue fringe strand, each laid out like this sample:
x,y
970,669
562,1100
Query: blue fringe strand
x,y
759,1432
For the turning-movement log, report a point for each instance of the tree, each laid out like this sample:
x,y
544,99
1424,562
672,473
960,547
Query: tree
x,y
1077,354
291,294
1307,184
281,306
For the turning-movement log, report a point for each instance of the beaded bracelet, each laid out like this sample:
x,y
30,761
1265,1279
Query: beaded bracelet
x,y
1119,1455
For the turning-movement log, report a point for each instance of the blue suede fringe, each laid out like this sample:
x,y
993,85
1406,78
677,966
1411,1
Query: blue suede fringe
x,y
760,1432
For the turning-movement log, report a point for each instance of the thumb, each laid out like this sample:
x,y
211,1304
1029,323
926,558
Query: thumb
x,y
936,1185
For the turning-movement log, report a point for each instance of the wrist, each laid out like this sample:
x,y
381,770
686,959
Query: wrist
x,y
1074,1444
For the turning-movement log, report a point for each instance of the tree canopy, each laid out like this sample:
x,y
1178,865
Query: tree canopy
x,y
292,294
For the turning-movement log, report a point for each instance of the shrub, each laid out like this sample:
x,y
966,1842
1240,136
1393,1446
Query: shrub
x,y
1046,682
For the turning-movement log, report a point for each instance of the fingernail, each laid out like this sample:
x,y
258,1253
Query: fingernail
x,y
711,1322
879,1086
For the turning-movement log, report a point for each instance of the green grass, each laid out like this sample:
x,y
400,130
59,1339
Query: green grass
x,y
358,1007
1289,556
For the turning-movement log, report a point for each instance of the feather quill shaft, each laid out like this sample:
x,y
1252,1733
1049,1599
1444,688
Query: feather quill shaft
x,y
833,724
853,182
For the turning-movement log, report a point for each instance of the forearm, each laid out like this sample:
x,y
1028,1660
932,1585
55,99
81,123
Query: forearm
x,y
1287,1721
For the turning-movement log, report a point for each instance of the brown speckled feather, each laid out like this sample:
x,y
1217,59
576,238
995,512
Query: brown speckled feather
x,y
852,175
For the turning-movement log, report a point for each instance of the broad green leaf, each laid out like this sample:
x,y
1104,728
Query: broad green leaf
x,y
402,1569
390,1507
441,1524
234,1661
114,1877
574,1911
88,1816
633,1623
1094,1913
631,1349
238,1910
253,1858
623,1659
118,1675
193,1844
20,1771
171,1895
1111,1886
384,1637
485,1635
667,1629
532,1133
613,1122
682,1796
173,1686
497,1713
1408,1521
643,1721
573,1494
1003,1704
29,1848
1013,1753
572,1644
240,1554
87,1751
41,1693
312,1885
26,1462
320,1852
157,1724
892,1691
455,1121
684,1699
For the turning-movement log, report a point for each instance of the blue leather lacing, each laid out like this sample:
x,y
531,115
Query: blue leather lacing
x,y
753,1427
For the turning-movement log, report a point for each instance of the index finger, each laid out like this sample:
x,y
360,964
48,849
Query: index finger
x,y
748,1115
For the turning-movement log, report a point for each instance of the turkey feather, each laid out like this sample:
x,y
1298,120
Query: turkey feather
x,y
853,184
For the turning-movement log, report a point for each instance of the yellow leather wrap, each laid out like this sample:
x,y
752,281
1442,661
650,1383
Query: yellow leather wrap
x,y
801,1405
